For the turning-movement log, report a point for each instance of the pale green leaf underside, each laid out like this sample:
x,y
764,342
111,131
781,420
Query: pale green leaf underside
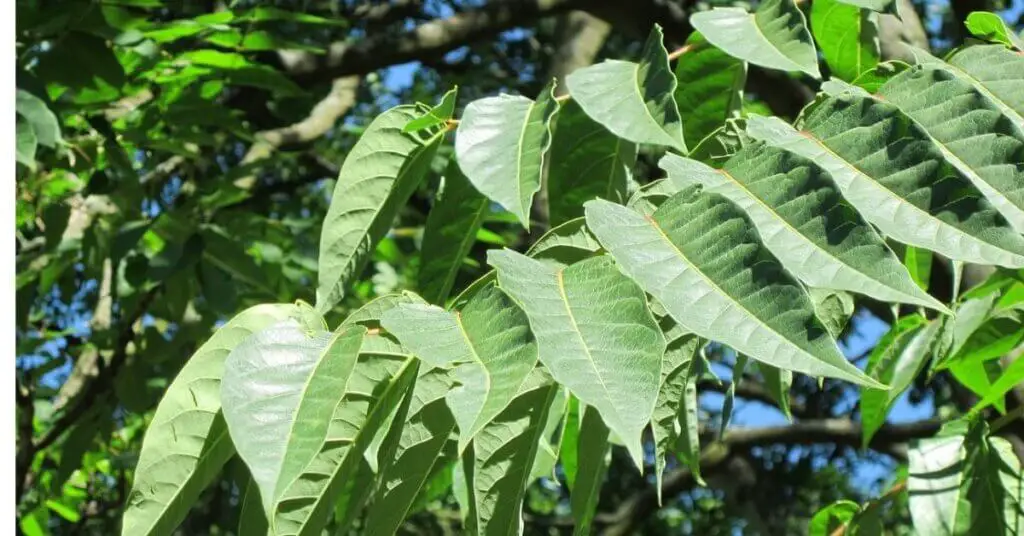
x,y
975,137
378,383
501,144
993,70
936,476
893,174
804,221
422,442
279,389
449,234
775,36
488,343
633,100
594,334
591,455
376,179
675,374
700,256
497,464
174,467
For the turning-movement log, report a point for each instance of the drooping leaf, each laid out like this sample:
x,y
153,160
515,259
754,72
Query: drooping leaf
x,y
709,87
725,141
919,263
991,27
497,464
379,382
279,389
594,334
449,233
436,116
993,70
805,222
570,442
591,454
893,174
700,256
378,176
687,445
587,161
895,361
970,129
175,467
488,342
848,37
551,438
501,145
775,36
429,425
778,383
730,394
675,374
635,101
26,144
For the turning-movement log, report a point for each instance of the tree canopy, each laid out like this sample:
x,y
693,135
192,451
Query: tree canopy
x,y
519,266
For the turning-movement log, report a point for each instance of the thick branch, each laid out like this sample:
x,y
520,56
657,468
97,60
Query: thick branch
x,y
427,39
889,440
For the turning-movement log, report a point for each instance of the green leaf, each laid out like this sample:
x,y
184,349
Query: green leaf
x,y
592,453
369,315
973,134
488,343
848,37
27,143
551,438
675,375
423,439
436,116
279,387
872,79
893,174
501,144
1012,377
687,445
449,234
730,394
709,87
227,253
991,27
570,442
980,377
497,464
44,123
895,361
805,222
379,382
993,70
700,256
833,308
175,467
565,244
778,383
721,144
775,36
251,517
965,484
378,176
831,517
633,100
879,6
594,334
919,263
587,162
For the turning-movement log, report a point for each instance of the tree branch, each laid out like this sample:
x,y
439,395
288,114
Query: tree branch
x,y
427,39
715,457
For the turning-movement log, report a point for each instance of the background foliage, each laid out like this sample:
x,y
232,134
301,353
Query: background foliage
x,y
176,160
